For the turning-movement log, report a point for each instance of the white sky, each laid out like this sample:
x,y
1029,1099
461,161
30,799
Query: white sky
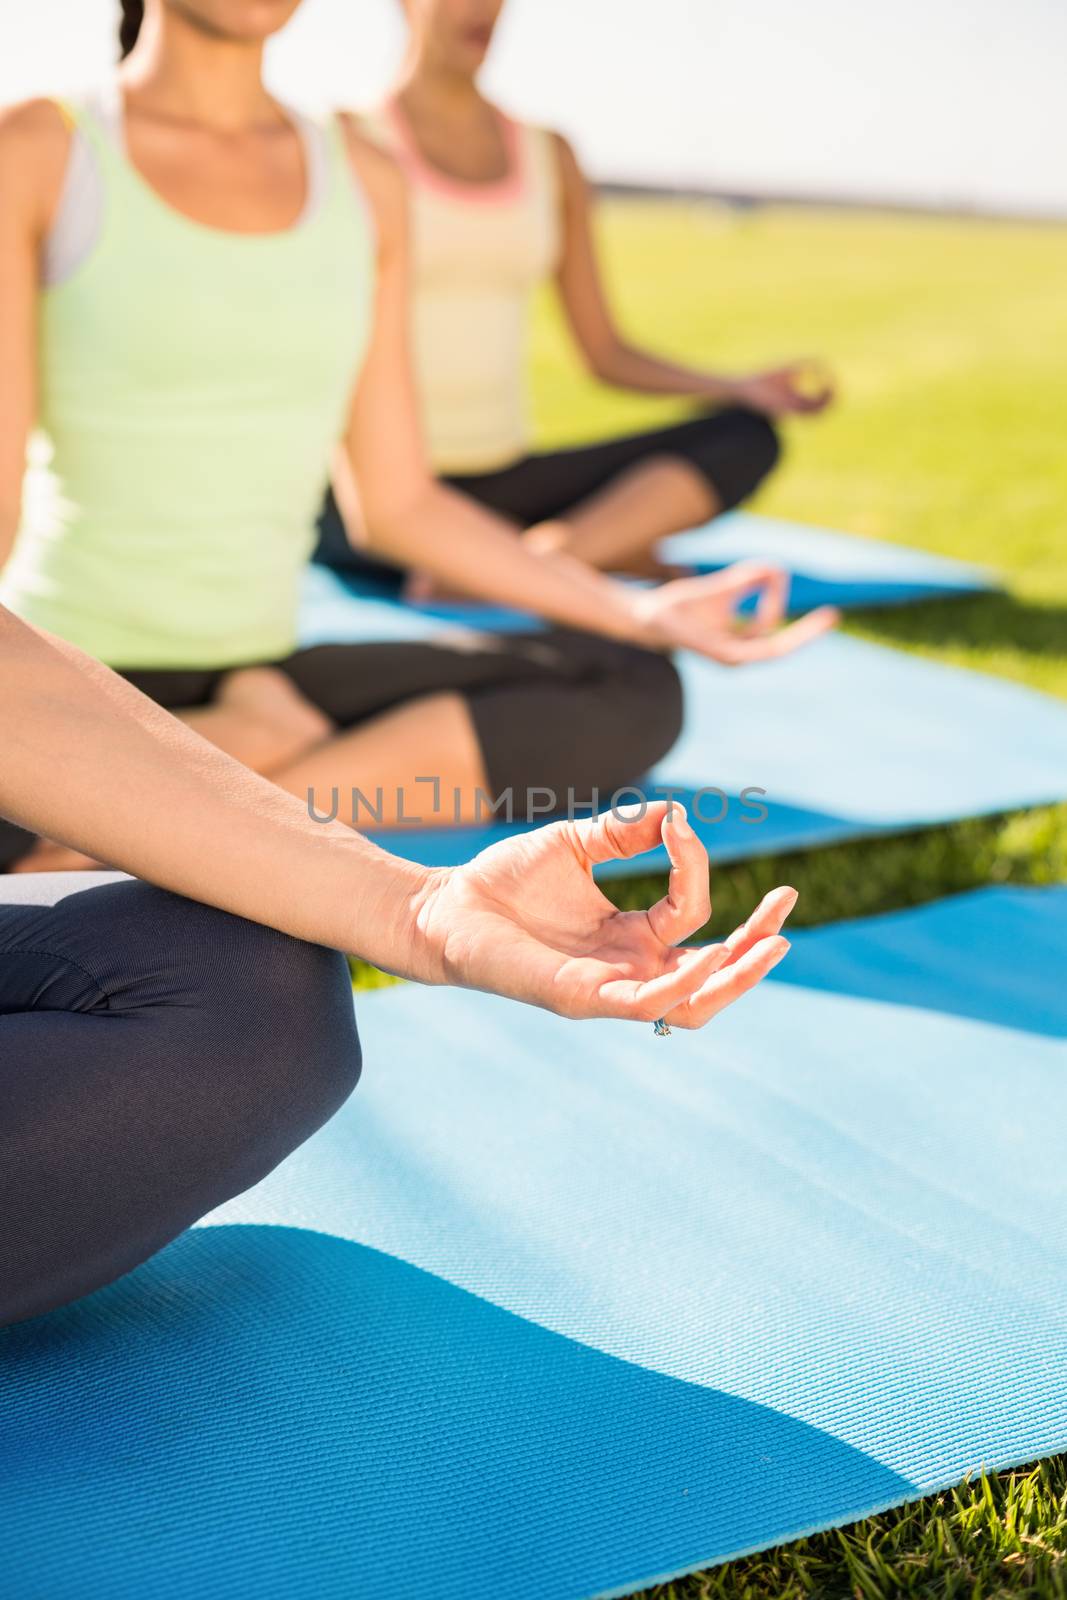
x,y
928,101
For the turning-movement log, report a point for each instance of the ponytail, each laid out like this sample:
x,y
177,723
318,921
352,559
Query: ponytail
x,y
130,25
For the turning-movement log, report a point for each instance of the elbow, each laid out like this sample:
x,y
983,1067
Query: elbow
x,y
377,531
392,525
605,361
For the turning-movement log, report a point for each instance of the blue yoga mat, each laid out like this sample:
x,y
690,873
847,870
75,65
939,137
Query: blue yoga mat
x,y
553,1312
827,568
845,738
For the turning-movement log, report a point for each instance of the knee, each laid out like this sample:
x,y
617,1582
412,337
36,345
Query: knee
x,y
739,450
648,715
226,1045
657,698
333,548
306,991
757,445
259,1034
288,1021
276,723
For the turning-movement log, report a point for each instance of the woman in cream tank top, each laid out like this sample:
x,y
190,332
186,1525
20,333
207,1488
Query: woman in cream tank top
x,y
499,208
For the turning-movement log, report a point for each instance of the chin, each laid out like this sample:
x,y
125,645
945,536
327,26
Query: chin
x,y
241,21
261,18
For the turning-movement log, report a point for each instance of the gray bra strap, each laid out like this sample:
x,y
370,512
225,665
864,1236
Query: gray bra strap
x,y
79,217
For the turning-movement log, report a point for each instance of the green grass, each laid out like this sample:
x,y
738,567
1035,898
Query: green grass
x,y
948,339
994,1536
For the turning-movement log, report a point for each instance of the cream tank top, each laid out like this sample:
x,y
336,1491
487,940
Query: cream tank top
x,y
479,252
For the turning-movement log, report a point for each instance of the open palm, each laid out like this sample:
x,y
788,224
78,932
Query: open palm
x,y
525,919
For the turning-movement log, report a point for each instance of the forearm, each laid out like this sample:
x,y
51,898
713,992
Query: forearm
x,y
448,535
87,760
627,367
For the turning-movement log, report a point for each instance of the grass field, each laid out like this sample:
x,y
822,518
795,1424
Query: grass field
x,y
948,338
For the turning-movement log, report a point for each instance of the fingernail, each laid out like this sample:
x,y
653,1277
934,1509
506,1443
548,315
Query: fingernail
x,y
782,952
681,823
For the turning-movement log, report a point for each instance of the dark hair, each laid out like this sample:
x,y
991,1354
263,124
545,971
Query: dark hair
x,y
130,26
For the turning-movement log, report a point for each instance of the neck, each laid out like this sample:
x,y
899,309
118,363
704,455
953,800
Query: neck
x,y
433,87
181,71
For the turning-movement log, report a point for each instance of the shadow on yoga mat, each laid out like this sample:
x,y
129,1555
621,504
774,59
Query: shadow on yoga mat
x,y
556,1312
826,568
297,1415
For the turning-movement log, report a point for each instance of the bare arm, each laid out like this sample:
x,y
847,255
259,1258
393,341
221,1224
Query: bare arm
x,y
613,359
421,523
33,152
91,762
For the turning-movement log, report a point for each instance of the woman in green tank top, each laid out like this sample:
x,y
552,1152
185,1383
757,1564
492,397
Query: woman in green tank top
x,y
228,315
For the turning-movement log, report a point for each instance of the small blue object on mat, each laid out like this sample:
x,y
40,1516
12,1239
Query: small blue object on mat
x,y
555,1312
845,738
827,568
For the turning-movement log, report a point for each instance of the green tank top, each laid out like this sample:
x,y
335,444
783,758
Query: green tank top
x,y
192,386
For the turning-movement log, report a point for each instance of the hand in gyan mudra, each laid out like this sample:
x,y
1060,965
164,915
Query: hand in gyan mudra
x,y
526,919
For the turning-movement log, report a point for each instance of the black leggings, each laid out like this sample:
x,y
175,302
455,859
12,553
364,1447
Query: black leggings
x,y
565,712
157,1057
554,710
551,710
733,450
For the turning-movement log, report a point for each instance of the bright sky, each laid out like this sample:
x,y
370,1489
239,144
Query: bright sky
x,y
929,101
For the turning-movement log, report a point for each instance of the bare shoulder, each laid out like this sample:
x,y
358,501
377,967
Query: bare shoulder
x,y
379,174
34,145
34,127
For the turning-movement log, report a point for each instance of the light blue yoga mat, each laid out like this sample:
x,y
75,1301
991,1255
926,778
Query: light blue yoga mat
x,y
827,568
553,1311
846,739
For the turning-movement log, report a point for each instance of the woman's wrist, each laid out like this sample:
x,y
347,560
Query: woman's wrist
x,y
424,937
729,388
643,607
616,608
380,912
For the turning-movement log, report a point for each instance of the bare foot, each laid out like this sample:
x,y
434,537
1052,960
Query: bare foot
x,y
421,589
268,694
279,723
